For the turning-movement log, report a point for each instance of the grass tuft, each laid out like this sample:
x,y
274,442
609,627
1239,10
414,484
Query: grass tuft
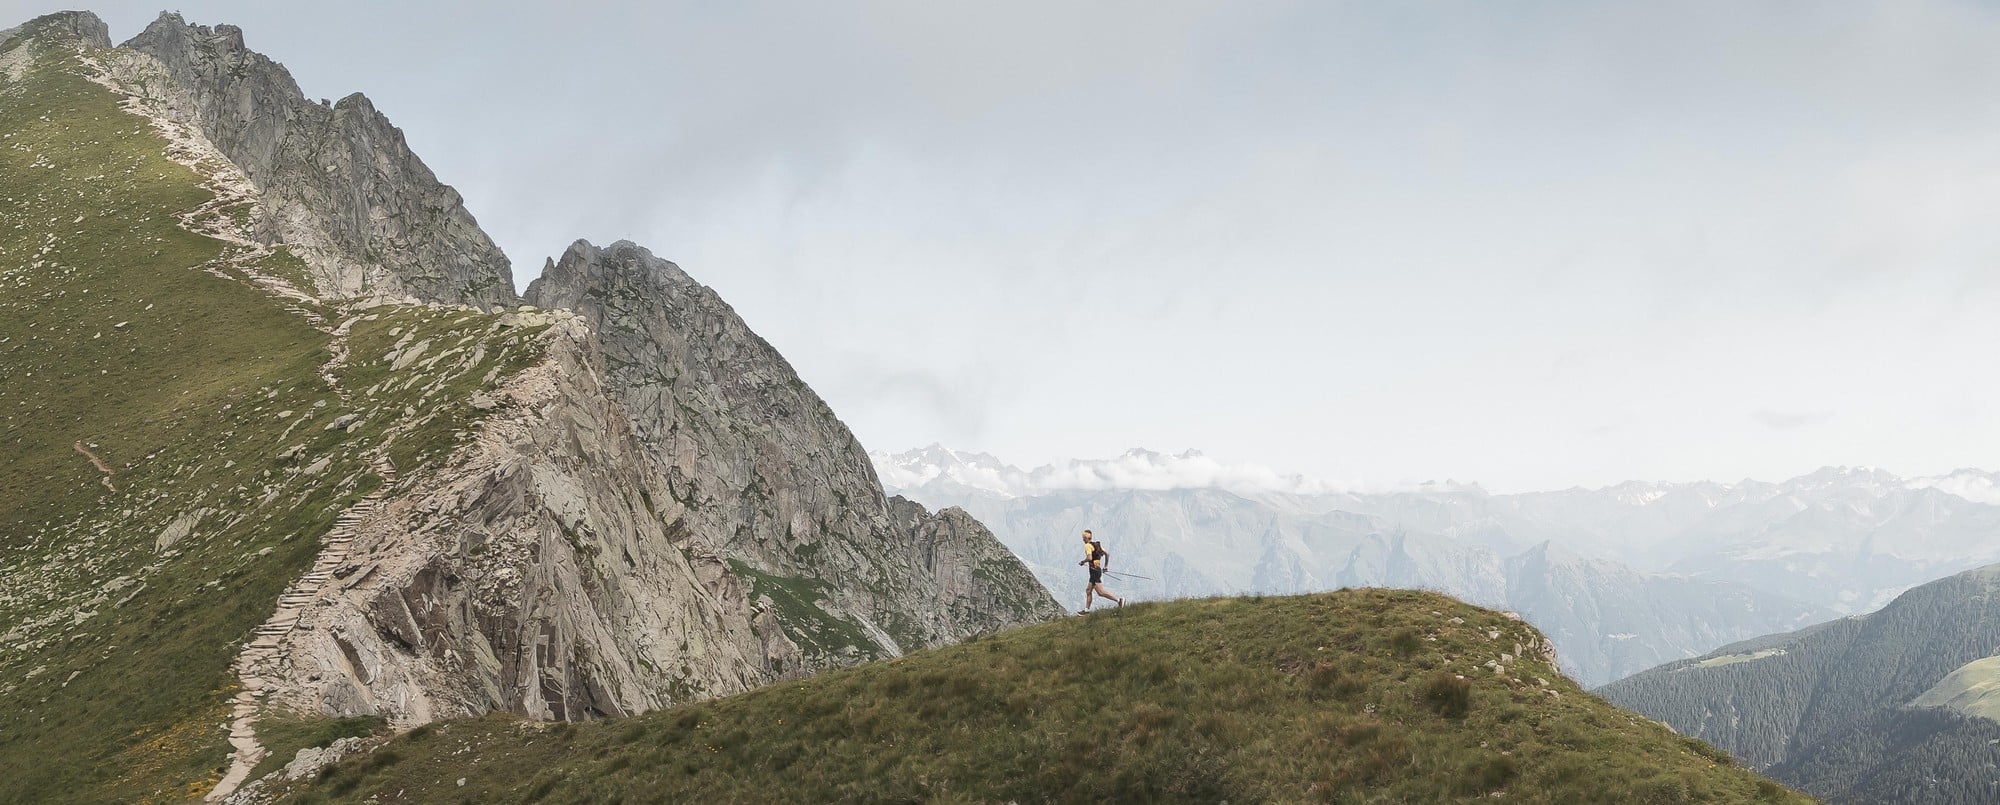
x,y
1447,694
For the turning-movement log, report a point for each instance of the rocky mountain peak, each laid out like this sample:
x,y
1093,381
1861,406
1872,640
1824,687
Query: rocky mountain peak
x,y
337,185
82,26
768,475
171,30
585,266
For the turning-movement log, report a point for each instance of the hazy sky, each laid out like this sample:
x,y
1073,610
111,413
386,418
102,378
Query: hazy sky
x,y
1530,244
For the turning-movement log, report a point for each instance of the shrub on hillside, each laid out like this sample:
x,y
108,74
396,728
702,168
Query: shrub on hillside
x,y
1447,694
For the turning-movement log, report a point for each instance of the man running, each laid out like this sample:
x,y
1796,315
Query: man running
x,y
1099,561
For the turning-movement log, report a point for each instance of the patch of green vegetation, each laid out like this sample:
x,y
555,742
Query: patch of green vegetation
x,y
907,634
797,603
124,597
285,734
285,265
1273,699
1015,578
424,406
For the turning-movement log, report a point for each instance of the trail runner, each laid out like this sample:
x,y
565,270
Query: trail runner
x,y
1099,561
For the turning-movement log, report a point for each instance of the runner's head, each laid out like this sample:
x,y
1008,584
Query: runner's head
x,y
1086,535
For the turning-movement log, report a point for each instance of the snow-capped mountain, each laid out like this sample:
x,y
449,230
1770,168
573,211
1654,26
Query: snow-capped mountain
x,y
979,473
1644,571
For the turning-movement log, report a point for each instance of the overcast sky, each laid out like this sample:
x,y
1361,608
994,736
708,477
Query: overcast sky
x,y
1530,244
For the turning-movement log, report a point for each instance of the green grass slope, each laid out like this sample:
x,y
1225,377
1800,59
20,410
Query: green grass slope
x,y
202,397
1973,689
1353,696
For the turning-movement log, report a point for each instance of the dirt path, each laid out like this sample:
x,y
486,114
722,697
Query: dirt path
x,y
99,464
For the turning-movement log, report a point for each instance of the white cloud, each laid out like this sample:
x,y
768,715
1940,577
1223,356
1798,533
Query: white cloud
x,y
1135,469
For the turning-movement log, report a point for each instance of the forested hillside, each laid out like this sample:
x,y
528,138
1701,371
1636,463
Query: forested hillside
x,y
1833,709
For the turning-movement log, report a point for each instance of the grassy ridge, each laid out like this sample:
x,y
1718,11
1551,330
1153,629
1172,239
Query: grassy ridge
x,y
203,396
114,657
1355,696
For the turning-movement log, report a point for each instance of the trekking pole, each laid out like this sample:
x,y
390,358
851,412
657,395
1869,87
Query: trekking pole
x,y
1128,575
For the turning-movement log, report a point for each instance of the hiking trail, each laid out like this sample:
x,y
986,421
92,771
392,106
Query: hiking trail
x,y
267,653
234,202
99,464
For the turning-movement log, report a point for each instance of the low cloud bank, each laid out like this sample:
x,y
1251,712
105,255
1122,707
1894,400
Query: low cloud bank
x,y
1136,469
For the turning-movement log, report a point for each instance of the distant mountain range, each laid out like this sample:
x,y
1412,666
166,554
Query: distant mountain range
x,y
1899,706
1621,578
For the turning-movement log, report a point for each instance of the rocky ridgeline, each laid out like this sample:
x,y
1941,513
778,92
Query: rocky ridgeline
x,y
338,184
757,461
621,501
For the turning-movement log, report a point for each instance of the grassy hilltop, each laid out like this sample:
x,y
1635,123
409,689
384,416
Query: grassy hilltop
x,y
1354,696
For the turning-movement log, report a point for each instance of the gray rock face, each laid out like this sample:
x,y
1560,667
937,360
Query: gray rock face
x,y
771,478
659,511
338,184
973,580
546,572
81,26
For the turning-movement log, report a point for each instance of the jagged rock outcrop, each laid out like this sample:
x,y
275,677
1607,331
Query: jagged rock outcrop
x,y
82,26
545,572
973,580
612,543
766,472
338,184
